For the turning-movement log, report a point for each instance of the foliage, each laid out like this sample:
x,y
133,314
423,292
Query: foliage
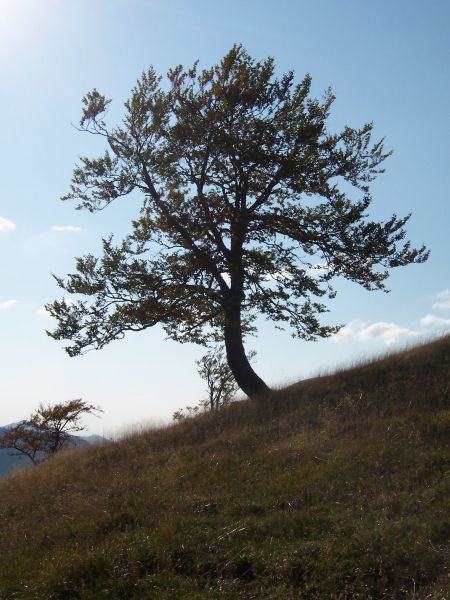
x,y
249,206
47,430
220,382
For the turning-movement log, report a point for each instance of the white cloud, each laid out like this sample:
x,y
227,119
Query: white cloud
x,y
66,228
319,268
444,298
7,304
6,225
433,321
442,305
42,312
278,276
388,333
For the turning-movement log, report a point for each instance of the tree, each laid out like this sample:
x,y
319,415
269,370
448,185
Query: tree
x,y
249,206
220,382
221,385
47,430
21,440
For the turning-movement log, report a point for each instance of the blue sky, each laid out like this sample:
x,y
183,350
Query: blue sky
x,y
385,61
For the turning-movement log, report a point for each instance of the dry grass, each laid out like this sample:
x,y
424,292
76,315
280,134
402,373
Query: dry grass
x,y
335,487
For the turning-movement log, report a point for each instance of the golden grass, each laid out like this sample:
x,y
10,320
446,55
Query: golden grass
x,y
334,487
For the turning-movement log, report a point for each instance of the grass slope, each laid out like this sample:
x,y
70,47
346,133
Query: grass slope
x,y
336,487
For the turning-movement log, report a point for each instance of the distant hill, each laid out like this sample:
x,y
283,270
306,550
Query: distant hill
x,y
335,488
10,462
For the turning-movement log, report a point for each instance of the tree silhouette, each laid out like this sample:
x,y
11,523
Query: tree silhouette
x,y
249,206
47,430
221,385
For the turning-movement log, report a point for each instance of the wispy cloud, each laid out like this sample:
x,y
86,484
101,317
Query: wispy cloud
x,y
443,294
434,321
442,305
7,304
66,228
6,224
43,313
388,333
444,300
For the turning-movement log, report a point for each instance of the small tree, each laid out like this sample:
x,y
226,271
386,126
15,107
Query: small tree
x,y
219,378
47,430
244,193
21,440
220,382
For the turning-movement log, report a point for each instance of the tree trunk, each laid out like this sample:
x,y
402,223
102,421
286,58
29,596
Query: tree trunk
x,y
246,378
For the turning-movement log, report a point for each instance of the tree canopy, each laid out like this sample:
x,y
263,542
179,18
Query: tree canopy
x,y
249,206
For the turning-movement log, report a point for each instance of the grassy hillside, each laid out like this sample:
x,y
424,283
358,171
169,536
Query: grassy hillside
x,y
336,487
9,461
